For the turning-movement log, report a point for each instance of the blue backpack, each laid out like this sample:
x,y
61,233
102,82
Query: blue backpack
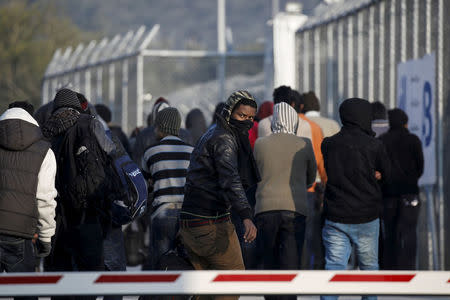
x,y
133,203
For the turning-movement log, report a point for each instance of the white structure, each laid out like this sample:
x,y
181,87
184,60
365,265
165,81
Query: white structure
x,y
285,25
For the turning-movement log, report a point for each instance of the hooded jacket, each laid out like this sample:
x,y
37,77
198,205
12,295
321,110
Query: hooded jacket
x,y
196,124
406,156
27,178
351,157
286,163
213,183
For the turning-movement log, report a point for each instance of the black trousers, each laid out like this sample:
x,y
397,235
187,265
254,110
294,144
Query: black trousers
x,y
400,216
280,239
77,248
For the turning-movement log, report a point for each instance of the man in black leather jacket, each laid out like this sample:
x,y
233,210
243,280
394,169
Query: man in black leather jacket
x,y
214,183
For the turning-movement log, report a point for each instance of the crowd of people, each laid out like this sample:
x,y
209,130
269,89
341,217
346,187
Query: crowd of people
x,y
279,187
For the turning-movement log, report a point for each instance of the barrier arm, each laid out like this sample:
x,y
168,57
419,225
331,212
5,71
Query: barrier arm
x,y
431,283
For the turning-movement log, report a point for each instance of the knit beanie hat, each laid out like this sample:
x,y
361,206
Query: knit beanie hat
x,y
168,121
66,98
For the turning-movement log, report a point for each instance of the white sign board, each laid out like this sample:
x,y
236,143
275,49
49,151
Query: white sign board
x,y
416,95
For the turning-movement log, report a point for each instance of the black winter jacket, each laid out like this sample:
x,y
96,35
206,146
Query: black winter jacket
x,y
351,157
213,183
406,156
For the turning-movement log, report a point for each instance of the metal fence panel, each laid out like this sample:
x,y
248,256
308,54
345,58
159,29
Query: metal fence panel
x,y
366,43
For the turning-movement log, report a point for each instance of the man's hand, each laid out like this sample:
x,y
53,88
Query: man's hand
x,y
250,231
42,249
377,175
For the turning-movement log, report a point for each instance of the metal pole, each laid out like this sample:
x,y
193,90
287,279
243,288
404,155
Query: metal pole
x,y
381,54
99,85
371,53
360,61
330,70
432,237
317,87
403,31
428,27
125,95
340,66
350,57
221,47
416,29
392,62
87,84
440,106
268,49
430,206
306,74
140,90
112,90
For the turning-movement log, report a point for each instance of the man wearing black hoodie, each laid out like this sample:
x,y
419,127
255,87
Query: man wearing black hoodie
x,y
401,201
354,161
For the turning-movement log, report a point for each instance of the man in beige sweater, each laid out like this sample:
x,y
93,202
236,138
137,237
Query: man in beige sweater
x,y
287,167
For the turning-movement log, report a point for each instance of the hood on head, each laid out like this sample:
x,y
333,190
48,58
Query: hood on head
x,y
397,118
18,130
285,119
232,101
195,119
357,113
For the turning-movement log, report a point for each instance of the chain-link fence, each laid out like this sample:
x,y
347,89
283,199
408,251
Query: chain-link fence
x,y
128,77
353,49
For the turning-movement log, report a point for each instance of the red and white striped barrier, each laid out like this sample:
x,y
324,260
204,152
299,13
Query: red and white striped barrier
x,y
227,283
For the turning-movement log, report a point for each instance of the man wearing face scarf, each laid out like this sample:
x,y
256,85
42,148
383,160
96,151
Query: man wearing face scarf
x,y
220,170
355,161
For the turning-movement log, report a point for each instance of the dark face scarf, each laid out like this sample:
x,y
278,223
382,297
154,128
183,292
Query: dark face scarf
x,y
248,171
242,126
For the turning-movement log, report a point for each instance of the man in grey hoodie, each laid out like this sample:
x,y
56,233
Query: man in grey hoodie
x,y
287,166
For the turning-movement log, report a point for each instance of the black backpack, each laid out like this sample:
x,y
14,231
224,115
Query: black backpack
x,y
83,176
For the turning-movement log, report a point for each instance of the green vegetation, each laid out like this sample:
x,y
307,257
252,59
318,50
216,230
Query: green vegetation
x,y
29,35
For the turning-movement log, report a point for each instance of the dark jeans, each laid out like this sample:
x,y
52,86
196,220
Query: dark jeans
x,y
164,229
315,253
16,255
280,241
114,254
400,216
